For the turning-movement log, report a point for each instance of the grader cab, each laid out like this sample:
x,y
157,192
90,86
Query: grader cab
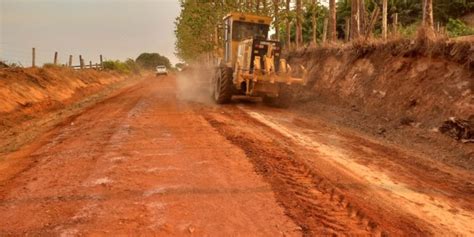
x,y
250,64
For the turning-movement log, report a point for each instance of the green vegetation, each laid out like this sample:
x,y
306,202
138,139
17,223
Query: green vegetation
x,y
457,28
127,67
149,61
196,25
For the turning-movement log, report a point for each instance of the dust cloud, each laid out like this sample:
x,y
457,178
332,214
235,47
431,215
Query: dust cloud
x,y
194,84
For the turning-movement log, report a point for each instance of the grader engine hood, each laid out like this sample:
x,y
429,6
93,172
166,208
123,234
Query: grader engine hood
x,y
259,60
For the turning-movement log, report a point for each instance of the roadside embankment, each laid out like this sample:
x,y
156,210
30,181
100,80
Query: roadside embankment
x,y
44,88
385,88
32,100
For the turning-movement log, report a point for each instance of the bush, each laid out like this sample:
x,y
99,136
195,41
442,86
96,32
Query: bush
x,y
116,66
5,64
456,28
127,67
133,66
409,31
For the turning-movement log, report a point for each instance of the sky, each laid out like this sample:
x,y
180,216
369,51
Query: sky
x,y
117,29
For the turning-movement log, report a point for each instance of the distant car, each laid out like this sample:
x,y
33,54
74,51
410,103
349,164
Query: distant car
x,y
161,70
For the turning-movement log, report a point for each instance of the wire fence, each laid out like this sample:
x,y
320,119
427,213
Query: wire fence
x,y
34,57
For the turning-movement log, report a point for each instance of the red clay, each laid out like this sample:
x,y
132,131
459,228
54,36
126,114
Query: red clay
x,y
138,163
147,162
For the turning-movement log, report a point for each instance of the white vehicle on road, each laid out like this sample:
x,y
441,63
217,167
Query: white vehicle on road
x,y
161,70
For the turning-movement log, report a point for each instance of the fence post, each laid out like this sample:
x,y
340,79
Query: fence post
x,y
70,61
101,61
33,60
81,62
55,58
90,64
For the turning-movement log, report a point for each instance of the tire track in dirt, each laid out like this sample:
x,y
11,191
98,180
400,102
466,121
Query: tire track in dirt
x,y
310,200
443,216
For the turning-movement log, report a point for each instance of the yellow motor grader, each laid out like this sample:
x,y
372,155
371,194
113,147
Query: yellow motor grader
x,y
249,64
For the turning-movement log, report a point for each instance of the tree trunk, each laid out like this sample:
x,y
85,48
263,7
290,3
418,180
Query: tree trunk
x,y
314,22
332,21
355,20
347,30
384,19
288,26
299,17
325,30
276,10
395,23
362,17
428,14
373,19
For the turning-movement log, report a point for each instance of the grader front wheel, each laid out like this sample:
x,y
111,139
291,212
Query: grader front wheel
x,y
223,86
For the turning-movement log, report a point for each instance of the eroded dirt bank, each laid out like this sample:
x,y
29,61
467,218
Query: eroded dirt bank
x,y
38,89
401,91
32,100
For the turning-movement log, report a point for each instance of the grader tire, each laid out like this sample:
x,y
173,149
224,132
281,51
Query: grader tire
x,y
223,86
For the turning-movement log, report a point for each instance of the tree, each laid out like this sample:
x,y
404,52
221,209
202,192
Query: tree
x,y
151,60
332,32
299,30
355,19
428,14
276,17
384,19
314,21
288,24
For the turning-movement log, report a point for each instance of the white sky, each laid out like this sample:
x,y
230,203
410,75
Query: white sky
x,y
117,29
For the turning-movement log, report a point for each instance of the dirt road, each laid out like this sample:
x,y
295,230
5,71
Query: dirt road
x,y
150,161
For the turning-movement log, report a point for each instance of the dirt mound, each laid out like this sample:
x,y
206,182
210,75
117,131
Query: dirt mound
x,y
425,83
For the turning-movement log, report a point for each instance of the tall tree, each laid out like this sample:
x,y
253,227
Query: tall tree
x,y
428,13
332,21
362,16
288,24
314,21
355,19
276,16
384,19
299,29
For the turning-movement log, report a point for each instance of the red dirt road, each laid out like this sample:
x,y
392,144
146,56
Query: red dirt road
x,y
147,162
141,162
